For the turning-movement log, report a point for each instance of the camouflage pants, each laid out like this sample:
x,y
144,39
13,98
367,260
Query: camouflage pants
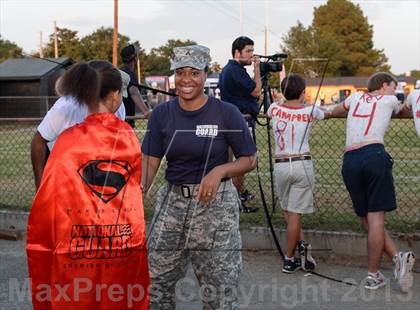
x,y
183,230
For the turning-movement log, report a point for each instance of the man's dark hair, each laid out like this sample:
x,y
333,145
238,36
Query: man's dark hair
x,y
240,43
292,86
377,80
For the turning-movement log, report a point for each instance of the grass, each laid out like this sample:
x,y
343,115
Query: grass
x,y
334,210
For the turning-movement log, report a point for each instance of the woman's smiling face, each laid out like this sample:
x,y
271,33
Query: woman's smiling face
x,y
189,82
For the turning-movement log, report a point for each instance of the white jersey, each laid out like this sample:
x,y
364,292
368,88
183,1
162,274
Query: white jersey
x,y
291,126
413,101
65,113
368,118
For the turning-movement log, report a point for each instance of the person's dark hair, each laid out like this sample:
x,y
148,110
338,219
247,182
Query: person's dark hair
x,y
110,77
292,86
377,80
128,53
240,43
89,82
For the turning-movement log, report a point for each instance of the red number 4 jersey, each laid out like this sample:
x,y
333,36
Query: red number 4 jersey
x,y
368,118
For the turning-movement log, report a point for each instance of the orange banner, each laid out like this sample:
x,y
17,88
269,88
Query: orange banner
x,y
86,241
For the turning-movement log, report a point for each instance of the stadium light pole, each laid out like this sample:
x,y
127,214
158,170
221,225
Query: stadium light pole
x,y
115,41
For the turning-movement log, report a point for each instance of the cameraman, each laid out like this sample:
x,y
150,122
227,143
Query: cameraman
x,y
238,88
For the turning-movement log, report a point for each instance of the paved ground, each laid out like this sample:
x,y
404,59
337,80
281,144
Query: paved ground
x,y
263,286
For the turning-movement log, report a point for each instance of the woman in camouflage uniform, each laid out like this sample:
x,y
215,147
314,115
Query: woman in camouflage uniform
x,y
197,216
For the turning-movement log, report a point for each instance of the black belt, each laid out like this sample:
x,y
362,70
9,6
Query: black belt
x,y
294,158
187,190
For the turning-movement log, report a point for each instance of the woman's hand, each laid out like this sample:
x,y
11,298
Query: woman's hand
x,y
209,185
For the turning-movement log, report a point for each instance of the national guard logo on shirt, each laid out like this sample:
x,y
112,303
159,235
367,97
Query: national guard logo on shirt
x,y
105,178
206,131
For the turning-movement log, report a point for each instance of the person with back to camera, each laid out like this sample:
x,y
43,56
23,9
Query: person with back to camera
x,y
293,169
412,106
129,55
86,227
367,174
65,113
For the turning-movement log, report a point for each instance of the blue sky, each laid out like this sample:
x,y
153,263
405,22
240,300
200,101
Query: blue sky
x,y
212,23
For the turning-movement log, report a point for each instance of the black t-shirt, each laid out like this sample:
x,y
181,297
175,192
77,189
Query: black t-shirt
x,y
194,142
236,87
128,102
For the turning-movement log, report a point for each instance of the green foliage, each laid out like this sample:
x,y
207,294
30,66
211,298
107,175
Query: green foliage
x,y
68,44
158,62
98,44
215,67
339,32
9,50
415,74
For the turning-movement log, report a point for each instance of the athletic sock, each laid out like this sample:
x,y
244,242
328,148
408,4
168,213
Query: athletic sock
x,y
289,258
395,258
375,275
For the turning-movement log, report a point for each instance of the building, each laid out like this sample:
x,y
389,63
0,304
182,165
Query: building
x,y
26,84
336,89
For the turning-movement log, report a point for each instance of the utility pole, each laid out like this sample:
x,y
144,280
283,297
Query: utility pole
x,y
265,40
55,40
138,68
41,51
241,17
115,41
266,29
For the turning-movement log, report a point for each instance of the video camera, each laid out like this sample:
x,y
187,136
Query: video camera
x,y
272,64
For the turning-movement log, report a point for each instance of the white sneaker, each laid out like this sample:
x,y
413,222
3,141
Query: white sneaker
x,y
373,283
403,270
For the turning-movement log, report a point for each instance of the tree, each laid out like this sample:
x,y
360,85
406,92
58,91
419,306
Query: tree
x,y
158,62
166,50
341,33
68,44
98,45
415,74
215,67
8,50
308,49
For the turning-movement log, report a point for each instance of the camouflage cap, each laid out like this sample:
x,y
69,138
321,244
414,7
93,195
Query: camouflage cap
x,y
125,81
194,56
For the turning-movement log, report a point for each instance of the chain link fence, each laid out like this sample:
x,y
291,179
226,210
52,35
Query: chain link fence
x,y
332,202
25,106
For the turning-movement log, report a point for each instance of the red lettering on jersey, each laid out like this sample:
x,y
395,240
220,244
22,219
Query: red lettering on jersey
x,y
293,136
274,111
277,112
367,100
280,129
